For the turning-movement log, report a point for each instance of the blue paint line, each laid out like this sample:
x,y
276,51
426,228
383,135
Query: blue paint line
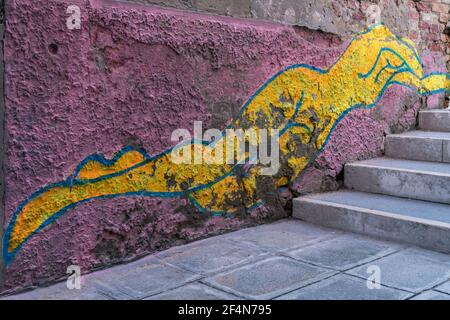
x,y
9,255
380,95
205,211
291,122
114,161
101,159
412,48
369,73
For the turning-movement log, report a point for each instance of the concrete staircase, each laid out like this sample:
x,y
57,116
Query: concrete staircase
x,y
404,196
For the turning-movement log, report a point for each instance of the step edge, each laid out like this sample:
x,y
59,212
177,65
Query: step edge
x,y
435,111
429,173
406,136
433,223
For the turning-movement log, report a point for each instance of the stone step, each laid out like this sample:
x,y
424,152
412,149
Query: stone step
x,y
420,223
429,181
435,120
419,145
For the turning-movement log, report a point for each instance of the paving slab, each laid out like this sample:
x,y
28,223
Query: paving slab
x,y
269,278
344,252
283,235
210,255
194,291
344,287
432,295
270,272
88,291
413,270
445,288
141,279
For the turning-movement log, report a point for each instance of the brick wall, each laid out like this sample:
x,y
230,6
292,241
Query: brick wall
x,y
434,26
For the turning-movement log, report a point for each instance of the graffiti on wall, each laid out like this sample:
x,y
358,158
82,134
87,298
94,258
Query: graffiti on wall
x,y
300,105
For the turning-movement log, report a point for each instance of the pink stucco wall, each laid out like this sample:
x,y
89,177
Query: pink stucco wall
x,y
132,75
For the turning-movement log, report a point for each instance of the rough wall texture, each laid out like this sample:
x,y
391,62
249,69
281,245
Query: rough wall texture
x,y
130,76
2,136
423,21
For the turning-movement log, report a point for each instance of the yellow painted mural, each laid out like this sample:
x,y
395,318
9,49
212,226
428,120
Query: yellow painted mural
x,y
302,105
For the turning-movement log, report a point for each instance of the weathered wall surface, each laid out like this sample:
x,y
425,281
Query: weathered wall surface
x,y
423,21
2,137
130,76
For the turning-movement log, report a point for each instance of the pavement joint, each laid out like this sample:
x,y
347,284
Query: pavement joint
x,y
269,264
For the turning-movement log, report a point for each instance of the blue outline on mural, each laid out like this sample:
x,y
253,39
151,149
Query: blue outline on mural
x,y
74,180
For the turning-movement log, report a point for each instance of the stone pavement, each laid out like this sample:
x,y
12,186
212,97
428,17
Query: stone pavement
x,y
288,259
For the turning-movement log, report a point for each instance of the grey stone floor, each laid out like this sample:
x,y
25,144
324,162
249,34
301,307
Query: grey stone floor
x,y
288,259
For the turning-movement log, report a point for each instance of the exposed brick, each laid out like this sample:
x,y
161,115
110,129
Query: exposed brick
x,y
413,35
429,17
413,14
443,17
433,36
424,26
435,28
423,7
437,47
440,7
